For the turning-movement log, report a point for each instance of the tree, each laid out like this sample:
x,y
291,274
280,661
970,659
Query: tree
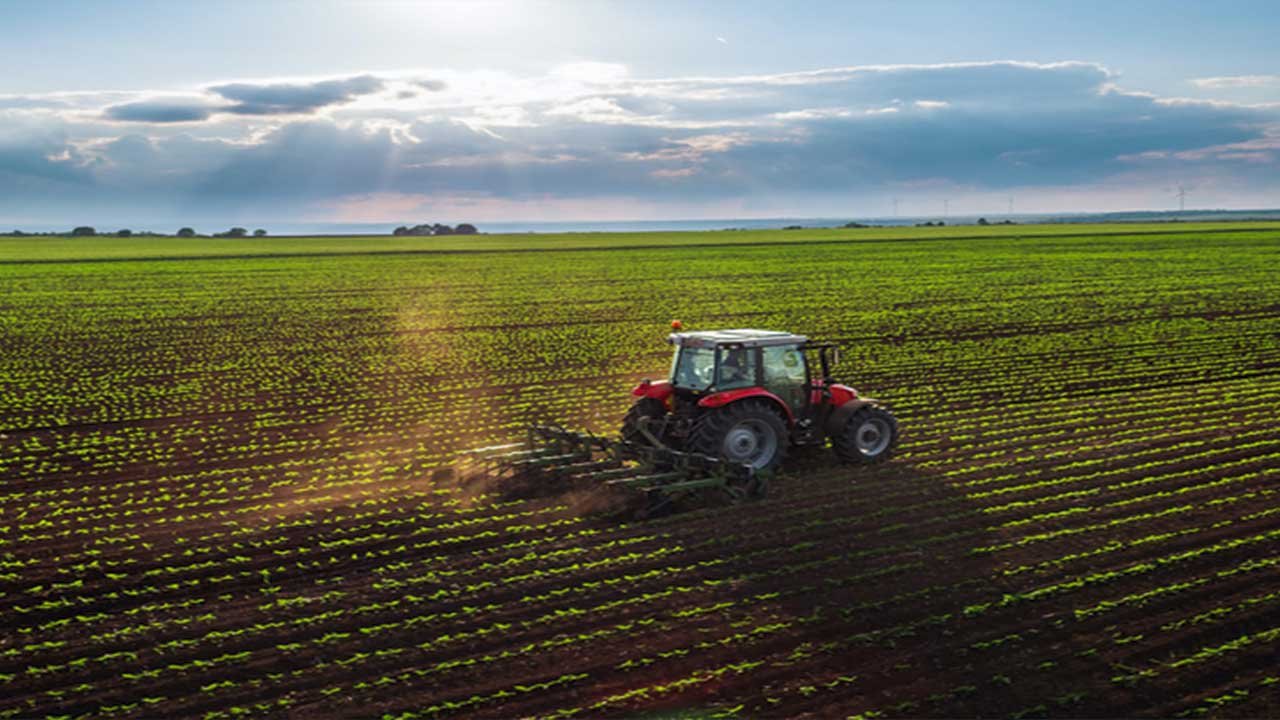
x,y
186,232
259,233
126,232
983,221
84,230
235,232
436,229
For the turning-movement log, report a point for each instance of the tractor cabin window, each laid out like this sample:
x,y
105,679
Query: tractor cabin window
x,y
784,374
737,368
693,368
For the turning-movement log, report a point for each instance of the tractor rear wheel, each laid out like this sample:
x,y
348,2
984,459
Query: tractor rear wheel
x,y
644,410
748,431
869,436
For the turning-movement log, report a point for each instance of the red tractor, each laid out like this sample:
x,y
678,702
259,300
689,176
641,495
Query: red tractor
x,y
746,396
735,402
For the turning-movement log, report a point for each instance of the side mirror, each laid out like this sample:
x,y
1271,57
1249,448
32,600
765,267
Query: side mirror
x,y
835,357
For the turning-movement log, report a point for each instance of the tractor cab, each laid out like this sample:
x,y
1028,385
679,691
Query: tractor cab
x,y
790,367
706,363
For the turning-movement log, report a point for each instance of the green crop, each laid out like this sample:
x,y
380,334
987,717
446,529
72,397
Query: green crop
x,y
229,478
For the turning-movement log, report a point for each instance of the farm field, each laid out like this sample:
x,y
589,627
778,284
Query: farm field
x,y
225,484
60,249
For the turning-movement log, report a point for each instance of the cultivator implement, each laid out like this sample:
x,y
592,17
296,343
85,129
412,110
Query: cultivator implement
x,y
553,459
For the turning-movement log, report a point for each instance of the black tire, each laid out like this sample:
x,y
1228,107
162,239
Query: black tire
x,y
728,433
869,436
641,409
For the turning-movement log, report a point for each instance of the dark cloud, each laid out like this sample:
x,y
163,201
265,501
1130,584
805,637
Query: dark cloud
x,y
294,98
38,170
160,111
991,147
431,85
314,158
130,151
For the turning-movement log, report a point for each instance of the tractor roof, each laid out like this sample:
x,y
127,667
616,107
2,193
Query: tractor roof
x,y
744,338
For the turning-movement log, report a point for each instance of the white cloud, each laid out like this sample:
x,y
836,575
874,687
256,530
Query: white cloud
x,y
674,172
1237,81
593,110
812,114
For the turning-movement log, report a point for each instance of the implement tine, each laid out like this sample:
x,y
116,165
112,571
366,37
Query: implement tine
x,y
491,449
654,480
553,455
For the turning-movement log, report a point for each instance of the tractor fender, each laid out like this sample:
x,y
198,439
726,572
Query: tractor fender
x,y
659,390
841,415
721,399
841,394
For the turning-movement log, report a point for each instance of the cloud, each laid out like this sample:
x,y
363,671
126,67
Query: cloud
x,y
590,133
161,111
252,99
431,85
294,98
1237,81
38,168
30,103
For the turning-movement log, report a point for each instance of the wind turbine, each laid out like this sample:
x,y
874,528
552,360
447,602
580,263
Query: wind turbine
x,y
1182,198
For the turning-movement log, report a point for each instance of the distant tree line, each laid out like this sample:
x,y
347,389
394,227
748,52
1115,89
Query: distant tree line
x,y
235,232
981,221
436,229
186,232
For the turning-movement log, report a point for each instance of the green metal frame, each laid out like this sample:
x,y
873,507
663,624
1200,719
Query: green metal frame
x,y
552,452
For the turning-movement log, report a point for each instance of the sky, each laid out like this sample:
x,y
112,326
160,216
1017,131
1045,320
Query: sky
x,y
149,114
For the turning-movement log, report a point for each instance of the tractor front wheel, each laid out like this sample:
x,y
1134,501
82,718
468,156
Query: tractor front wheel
x,y
748,431
869,436
645,412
